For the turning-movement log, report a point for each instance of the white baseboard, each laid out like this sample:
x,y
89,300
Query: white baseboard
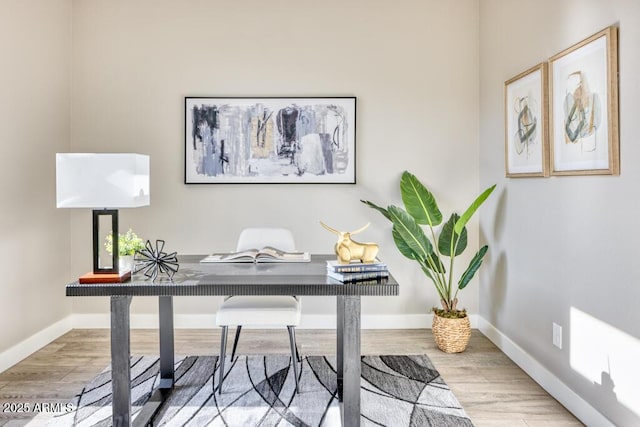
x,y
35,342
547,380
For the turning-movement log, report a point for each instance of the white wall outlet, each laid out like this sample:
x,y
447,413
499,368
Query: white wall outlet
x,y
557,335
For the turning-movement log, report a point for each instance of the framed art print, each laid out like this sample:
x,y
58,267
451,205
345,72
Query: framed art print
x,y
270,140
584,107
526,135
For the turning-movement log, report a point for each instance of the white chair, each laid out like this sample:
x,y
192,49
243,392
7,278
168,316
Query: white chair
x,y
259,310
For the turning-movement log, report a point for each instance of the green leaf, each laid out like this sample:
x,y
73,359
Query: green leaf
x,y
419,201
466,216
410,232
435,260
432,263
449,238
402,246
474,265
383,211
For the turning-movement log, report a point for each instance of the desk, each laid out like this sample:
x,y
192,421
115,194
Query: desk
x,y
201,279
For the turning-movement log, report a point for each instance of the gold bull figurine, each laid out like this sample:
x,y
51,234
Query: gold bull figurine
x,y
349,250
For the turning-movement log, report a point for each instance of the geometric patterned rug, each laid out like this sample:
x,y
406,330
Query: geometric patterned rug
x,y
259,391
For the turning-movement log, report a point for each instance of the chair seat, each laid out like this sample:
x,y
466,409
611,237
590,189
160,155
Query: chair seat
x,y
259,311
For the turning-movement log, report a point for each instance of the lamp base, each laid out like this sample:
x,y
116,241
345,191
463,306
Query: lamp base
x,y
97,268
121,277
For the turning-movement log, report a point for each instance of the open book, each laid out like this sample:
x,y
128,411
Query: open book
x,y
266,254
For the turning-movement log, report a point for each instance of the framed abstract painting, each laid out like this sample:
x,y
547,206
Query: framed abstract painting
x,y
526,134
270,140
584,107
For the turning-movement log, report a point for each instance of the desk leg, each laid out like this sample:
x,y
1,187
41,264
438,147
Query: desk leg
x,y
166,342
120,355
350,366
148,411
340,344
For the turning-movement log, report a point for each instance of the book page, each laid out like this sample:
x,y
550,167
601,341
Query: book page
x,y
244,256
271,254
266,254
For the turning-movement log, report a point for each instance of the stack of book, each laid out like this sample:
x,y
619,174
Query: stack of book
x,y
357,271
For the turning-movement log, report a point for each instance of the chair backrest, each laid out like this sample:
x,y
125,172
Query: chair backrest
x,y
259,237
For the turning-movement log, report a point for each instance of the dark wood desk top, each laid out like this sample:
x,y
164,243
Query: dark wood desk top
x,y
195,278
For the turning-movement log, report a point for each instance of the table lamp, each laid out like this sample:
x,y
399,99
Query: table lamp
x,y
104,182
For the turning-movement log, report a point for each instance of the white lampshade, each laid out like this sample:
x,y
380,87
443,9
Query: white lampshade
x,y
102,180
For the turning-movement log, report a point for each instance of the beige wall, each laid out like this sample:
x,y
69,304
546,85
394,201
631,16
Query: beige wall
x,y
35,87
564,248
412,65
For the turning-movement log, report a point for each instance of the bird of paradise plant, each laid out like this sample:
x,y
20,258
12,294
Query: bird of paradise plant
x,y
429,251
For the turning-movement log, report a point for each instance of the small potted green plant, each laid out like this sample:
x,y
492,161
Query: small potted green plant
x,y
451,326
128,244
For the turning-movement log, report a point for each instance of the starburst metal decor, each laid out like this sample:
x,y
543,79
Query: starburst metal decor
x,y
153,261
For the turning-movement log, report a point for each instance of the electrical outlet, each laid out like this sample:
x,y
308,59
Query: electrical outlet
x,y
557,335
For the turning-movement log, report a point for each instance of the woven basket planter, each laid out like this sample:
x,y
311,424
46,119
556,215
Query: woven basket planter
x,y
451,335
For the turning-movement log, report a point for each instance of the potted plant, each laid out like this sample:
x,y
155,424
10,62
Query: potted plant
x,y
128,244
451,326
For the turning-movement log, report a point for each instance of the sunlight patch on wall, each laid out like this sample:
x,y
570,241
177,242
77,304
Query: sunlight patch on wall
x,y
607,357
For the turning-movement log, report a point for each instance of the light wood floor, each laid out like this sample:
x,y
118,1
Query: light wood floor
x,y
491,388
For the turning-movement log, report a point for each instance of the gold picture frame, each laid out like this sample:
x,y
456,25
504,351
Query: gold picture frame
x,y
584,107
526,123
